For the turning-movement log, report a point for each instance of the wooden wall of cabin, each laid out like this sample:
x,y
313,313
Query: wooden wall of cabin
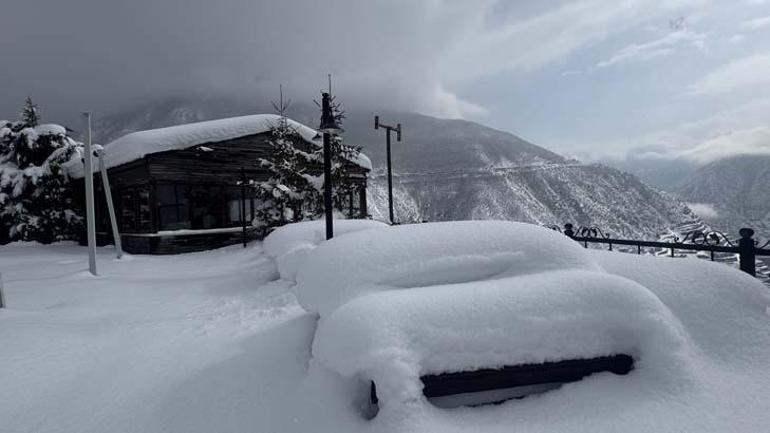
x,y
141,184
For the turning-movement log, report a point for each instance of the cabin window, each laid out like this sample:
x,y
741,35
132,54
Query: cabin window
x,y
128,209
206,207
233,201
145,210
135,209
173,207
350,202
354,203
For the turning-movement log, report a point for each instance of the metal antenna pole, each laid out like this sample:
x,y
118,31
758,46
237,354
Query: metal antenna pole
x,y
390,180
327,114
90,213
388,130
110,206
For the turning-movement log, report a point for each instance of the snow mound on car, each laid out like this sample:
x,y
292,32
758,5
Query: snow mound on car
x,y
394,337
723,309
290,244
699,333
422,255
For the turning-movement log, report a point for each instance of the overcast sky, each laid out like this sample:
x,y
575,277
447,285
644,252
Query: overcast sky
x,y
586,78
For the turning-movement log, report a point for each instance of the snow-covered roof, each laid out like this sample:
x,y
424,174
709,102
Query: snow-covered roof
x,y
136,145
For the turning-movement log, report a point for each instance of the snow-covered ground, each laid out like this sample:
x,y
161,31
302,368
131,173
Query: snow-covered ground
x,y
218,342
154,344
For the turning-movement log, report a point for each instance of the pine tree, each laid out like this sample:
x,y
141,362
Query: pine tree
x,y
36,200
291,193
29,115
343,157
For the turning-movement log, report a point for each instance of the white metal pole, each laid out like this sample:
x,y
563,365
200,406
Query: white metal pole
x,y
2,296
110,207
90,213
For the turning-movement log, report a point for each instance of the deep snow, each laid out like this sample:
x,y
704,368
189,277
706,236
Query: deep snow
x,y
154,344
215,342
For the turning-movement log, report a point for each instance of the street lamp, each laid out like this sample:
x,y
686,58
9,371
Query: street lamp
x,y
329,127
388,128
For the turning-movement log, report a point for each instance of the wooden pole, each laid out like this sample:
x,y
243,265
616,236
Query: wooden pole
x,y
243,206
2,294
90,213
110,206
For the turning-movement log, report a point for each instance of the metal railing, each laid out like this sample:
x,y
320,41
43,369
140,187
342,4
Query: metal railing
x,y
747,249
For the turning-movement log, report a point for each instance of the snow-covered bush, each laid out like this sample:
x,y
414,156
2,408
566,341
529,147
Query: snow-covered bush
x,y
36,200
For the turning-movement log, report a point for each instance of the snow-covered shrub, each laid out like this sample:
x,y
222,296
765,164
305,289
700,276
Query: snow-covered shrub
x,y
36,200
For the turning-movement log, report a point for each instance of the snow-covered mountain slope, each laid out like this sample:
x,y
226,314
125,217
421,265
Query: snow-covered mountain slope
x,y
590,195
431,144
455,169
732,193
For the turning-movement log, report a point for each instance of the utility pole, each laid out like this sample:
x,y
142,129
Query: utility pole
x,y
388,129
326,114
89,178
328,127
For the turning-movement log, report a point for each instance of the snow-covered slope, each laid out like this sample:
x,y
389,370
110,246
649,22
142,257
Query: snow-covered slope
x,y
589,195
455,169
732,192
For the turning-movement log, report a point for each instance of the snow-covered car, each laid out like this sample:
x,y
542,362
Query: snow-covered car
x,y
475,312
415,319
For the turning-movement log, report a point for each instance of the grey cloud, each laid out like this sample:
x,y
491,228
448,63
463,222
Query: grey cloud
x,y
104,55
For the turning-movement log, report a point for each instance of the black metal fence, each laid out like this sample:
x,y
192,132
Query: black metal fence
x,y
746,248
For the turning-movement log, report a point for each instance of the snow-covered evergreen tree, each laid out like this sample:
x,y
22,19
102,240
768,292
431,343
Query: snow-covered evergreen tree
x,y
343,156
294,189
290,193
36,201
29,114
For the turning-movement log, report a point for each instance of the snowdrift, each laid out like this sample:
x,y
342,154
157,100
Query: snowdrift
x,y
289,245
401,302
394,337
423,255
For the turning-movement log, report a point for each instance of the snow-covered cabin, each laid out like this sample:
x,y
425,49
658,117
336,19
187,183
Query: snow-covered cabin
x,y
176,189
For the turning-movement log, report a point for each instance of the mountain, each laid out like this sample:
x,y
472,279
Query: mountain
x,y
456,169
664,173
733,192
